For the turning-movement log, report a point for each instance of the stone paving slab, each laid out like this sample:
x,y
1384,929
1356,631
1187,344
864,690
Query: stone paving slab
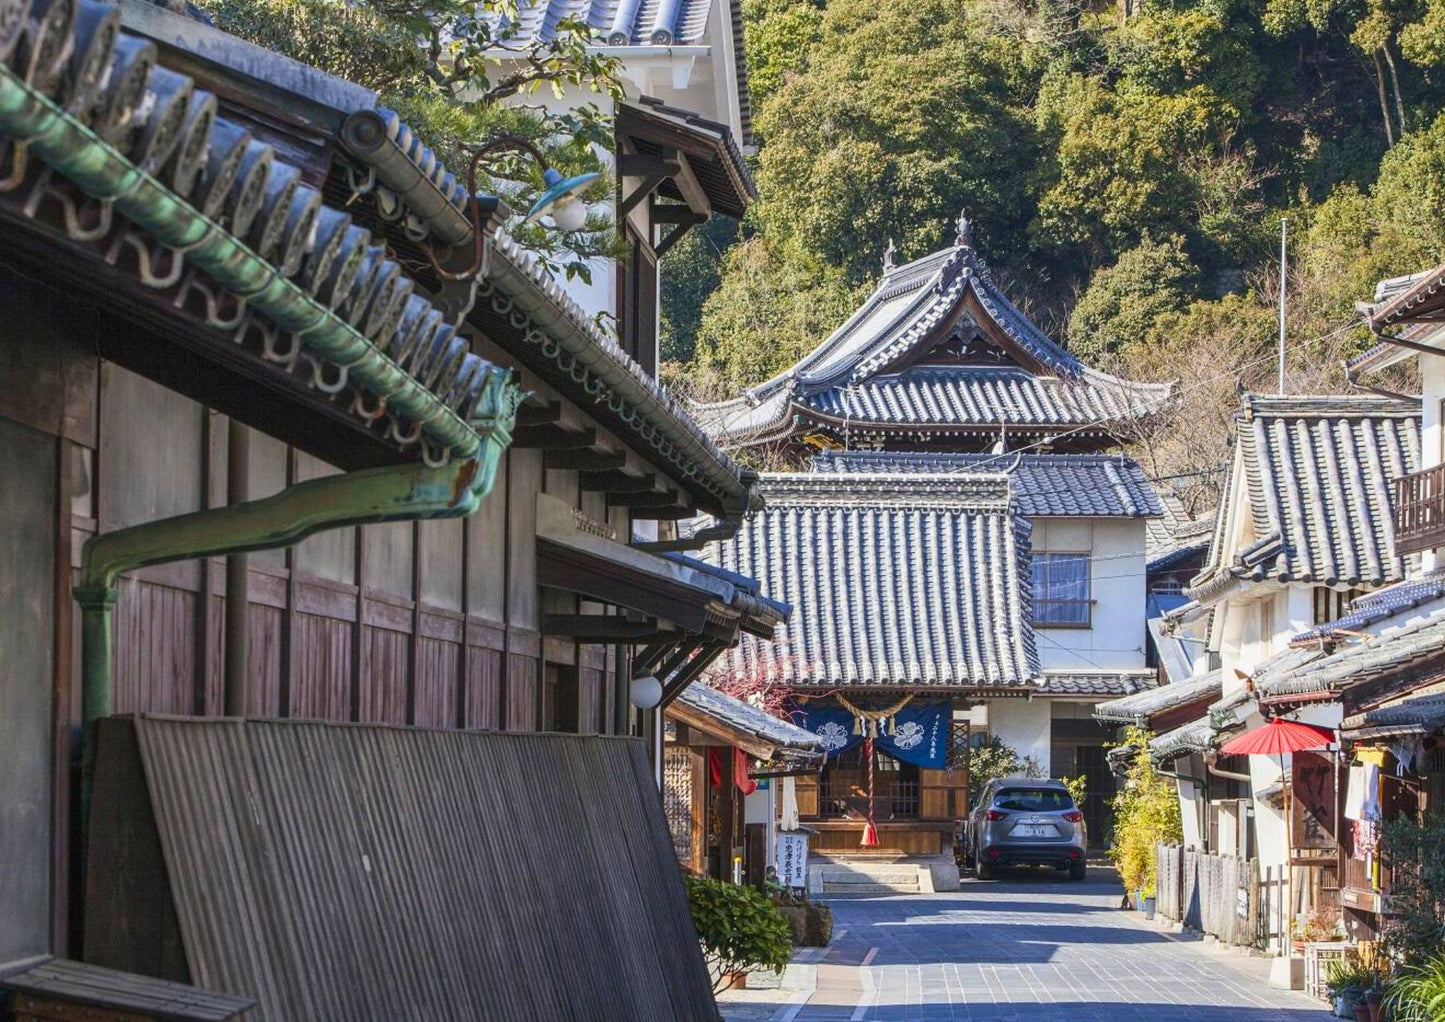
x,y
1030,948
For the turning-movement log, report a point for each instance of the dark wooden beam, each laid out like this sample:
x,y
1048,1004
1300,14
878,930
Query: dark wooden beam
x,y
530,415
553,438
616,482
671,513
604,627
672,688
586,459
651,499
654,652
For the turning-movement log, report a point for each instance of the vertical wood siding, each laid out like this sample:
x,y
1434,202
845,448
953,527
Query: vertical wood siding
x,y
484,683
155,645
321,668
430,623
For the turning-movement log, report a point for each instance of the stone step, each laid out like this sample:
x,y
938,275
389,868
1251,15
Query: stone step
x,y
897,878
831,888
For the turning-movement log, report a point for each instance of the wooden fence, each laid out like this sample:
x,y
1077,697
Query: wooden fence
x,y
1215,894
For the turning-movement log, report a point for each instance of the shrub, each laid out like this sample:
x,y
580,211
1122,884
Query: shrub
x,y
1146,811
1415,931
995,759
739,928
1417,993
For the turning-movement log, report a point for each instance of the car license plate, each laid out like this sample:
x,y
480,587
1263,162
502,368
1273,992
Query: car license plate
x,y
1032,831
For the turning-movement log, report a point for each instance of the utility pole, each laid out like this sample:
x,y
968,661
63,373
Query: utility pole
x,y
1283,291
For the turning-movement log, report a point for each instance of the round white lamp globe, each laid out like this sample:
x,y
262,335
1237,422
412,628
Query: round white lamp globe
x,y
645,692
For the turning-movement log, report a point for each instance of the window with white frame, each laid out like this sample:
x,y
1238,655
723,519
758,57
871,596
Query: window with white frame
x,y
1061,591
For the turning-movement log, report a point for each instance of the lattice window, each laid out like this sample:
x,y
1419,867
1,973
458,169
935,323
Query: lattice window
x,y
677,800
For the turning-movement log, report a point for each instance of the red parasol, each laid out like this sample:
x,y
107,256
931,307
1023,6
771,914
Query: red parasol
x,y
1277,738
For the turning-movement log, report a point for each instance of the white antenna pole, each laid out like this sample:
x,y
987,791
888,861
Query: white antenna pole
x,y
1283,291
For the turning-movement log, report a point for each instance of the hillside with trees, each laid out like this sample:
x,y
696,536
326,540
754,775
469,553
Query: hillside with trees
x,y
1126,167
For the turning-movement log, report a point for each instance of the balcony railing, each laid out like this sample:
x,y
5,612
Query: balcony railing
x,y
1420,510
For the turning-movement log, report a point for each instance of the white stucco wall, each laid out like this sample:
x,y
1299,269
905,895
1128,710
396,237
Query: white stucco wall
x,y
701,79
1192,803
1116,576
1023,725
759,807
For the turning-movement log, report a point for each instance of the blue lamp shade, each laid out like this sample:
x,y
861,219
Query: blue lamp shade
x,y
561,194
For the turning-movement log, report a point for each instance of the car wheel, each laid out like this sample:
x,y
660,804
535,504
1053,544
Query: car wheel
x,y
1078,871
986,871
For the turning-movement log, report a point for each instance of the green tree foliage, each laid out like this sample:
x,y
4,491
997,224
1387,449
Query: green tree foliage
x,y
1146,813
436,63
739,927
1125,301
1086,140
770,310
691,271
907,113
995,758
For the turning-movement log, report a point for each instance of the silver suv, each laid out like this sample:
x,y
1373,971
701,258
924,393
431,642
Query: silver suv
x,y
1021,820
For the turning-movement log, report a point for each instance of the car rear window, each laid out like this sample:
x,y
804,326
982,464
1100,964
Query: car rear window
x,y
1033,800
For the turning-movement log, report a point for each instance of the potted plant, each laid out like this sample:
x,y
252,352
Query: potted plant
x,y
1148,894
739,927
1347,979
1418,991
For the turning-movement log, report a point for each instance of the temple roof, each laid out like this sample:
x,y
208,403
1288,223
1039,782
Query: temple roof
x,y
898,581
1042,485
937,348
1309,497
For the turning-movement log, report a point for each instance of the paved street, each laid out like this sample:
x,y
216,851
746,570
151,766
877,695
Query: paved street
x,y
1027,948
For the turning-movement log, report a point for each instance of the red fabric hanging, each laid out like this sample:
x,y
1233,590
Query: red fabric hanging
x,y
714,767
745,784
870,832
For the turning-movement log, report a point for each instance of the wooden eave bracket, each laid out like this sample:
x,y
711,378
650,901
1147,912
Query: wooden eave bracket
x,y
651,171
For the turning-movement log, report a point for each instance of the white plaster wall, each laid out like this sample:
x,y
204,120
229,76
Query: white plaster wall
x,y
759,807
1192,803
1116,640
1023,725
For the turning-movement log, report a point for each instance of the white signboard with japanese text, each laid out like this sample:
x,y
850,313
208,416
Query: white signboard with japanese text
x,y
793,860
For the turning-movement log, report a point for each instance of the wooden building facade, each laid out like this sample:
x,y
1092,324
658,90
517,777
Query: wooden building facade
x,y
196,327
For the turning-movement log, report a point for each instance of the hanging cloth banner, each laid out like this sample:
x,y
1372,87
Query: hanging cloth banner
x,y
918,733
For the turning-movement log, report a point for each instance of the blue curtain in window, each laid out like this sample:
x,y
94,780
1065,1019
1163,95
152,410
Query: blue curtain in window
x,y
1061,589
919,733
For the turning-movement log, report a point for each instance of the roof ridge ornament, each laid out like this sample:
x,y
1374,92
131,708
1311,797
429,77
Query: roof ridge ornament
x,y
890,257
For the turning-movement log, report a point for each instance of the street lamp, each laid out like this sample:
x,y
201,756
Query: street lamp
x,y
561,199
645,692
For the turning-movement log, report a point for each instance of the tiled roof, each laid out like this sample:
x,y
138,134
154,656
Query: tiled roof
x,y
1418,715
1378,606
613,22
1041,485
1405,299
1317,473
1202,734
1147,703
1420,643
895,580
861,376
1186,524
312,303
1099,682
746,717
